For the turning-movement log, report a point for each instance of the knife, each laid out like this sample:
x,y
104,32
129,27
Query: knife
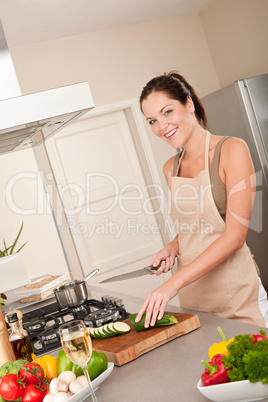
x,y
134,274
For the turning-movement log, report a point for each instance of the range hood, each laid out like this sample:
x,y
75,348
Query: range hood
x,y
28,120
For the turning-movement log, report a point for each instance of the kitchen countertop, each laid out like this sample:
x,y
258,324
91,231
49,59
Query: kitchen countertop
x,y
171,371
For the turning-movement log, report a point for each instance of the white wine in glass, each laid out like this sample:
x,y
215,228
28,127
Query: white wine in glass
x,y
76,343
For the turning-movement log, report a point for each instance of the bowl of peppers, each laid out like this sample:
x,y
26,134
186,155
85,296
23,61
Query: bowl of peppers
x,y
237,370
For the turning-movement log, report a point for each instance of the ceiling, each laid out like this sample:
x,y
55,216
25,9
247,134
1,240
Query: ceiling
x,y
31,21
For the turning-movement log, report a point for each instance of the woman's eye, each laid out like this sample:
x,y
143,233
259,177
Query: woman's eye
x,y
152,121
167,112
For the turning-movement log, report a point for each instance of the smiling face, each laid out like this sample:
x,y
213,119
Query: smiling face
x,y
170,119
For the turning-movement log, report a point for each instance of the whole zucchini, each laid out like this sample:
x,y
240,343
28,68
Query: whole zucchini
x,y
167,319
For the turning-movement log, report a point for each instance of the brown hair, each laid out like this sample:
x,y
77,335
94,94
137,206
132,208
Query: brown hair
x,y
176,87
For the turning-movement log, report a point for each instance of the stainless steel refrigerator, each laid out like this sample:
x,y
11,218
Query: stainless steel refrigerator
x,y
241,110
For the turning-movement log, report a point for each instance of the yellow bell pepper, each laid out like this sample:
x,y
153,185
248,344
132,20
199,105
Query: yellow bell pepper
x,y
220,347
49,365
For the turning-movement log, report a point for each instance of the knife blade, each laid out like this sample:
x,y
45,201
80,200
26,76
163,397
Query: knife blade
x,y
134,274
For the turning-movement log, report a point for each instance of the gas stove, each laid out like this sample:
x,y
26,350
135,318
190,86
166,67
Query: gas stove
x,y
43,324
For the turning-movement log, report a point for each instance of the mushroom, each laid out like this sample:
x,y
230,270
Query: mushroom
x,y
67,376
75,386
56,385
48,398
83,380
61,397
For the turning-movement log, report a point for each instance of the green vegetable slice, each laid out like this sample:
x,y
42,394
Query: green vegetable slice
x,y
107,331
96,333
102,333
121,327
99,333
110,327
91,332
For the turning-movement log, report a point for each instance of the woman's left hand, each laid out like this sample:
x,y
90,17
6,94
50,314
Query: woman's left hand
x,y
156,301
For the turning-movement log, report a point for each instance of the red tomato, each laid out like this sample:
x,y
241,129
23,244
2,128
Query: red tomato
x,y
9,387
47,392
32,394
44,386
32,373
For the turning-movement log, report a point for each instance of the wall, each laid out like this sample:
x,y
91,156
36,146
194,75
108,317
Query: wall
x,y
118,62
237,33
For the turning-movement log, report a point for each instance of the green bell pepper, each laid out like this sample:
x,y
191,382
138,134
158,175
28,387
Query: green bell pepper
x,y
97,364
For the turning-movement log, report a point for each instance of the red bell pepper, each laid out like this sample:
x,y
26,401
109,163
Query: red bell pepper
x,y
259,337
215,371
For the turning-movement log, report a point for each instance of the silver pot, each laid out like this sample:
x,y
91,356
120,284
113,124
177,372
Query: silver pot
x,y
73,294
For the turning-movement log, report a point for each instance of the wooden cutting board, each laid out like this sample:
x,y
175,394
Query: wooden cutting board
x,y
124,348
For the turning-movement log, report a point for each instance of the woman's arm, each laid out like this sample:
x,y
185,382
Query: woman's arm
x,y
237,172
167,170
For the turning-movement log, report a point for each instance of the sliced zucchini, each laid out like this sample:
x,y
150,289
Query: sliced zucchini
x,y
106,330
96,333
111,329
121,327
102,333
91,332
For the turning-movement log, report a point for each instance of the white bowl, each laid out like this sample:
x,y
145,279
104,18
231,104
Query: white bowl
x,y
83,395
238,391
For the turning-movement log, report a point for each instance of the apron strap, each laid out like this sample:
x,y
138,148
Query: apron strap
x,y
175,165
207,150
177,161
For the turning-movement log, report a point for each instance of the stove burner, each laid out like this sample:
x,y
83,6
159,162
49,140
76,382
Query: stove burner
x,y
101,317
35,326
43,328
49,335
46,340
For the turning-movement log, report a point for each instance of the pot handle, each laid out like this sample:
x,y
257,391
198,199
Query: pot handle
x,y
92,273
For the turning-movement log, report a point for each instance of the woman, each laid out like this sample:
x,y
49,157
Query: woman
x,y
212,185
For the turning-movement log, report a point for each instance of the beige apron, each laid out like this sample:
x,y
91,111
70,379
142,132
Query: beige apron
x,y
231,289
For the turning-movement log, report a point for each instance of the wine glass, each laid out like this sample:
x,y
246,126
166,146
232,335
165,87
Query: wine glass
x,y
76,344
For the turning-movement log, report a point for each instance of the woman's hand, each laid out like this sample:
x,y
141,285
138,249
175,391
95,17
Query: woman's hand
x,y
156,301
167,255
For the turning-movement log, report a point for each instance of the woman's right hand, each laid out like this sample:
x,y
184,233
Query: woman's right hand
x,y
167,255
